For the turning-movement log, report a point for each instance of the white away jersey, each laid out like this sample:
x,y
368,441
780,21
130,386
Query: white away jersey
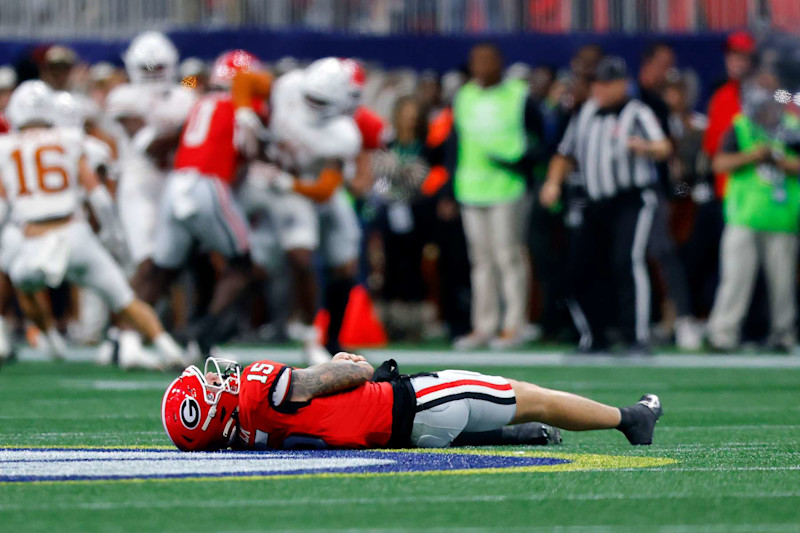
x,y
39,172
297,143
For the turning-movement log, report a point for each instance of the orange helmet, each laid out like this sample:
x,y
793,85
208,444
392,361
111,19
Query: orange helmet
x,y
197,415
229,64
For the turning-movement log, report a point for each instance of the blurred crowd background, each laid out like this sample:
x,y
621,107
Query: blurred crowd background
x,y
415,263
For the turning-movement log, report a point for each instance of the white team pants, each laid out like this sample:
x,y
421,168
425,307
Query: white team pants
x,y
454,401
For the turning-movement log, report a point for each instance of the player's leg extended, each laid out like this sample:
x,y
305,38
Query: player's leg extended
x,y
561,409
337,295
36,307
340,241
151,282
576,413
453,401
92,266
304,282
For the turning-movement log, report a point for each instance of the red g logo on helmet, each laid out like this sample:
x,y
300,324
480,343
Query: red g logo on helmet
x,y
190,413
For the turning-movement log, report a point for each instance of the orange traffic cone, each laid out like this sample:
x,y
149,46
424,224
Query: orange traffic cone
x,y
321,322
361,327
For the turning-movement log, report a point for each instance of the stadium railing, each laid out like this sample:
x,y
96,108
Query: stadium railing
x,y
40,19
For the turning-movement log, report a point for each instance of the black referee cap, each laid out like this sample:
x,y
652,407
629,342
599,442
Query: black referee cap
x,y
612,68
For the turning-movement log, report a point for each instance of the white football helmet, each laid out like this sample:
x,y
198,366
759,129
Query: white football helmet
x,y
126,101
151,58
31,102
332,87
67,111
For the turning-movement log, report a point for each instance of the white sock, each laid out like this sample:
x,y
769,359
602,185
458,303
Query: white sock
x,y
5,341
170,351
58,347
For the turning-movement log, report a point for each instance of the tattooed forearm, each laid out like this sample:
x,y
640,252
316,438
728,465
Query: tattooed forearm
x,y
328,378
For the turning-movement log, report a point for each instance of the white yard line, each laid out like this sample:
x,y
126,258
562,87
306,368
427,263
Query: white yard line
x,y
444,358
422,499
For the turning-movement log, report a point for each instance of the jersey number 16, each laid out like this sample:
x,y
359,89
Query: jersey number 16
x,y
59,179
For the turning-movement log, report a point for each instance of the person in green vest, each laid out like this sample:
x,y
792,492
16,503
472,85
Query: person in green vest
x,y
762,216
497,126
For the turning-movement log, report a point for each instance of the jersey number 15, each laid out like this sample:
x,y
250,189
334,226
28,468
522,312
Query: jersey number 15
x,y
265,370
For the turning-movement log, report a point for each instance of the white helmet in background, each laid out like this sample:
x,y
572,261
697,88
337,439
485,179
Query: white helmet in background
x,y
67,111
333,87
31,102
151,58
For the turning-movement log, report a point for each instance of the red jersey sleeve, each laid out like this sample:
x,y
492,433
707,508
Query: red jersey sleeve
x,y
275,382
371,126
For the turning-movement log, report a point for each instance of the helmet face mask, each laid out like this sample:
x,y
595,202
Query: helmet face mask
x,y
336,83
198,415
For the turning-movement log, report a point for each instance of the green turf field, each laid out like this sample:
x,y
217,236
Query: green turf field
x,y
735,434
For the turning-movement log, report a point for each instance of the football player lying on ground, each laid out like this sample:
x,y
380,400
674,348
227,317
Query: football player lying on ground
x,y
346,403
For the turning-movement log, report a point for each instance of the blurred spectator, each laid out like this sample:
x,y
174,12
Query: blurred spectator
x,y
541,79
518,71
103,77
406,228
489,182
57,67
762,212
697,225
429,93
585,60
657,61
725,103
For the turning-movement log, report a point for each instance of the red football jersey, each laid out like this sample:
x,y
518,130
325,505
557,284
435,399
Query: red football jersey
x,y
207,139
4,127
359,418
371,126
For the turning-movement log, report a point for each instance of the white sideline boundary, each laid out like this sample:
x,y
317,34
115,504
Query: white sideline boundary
x,y
450,359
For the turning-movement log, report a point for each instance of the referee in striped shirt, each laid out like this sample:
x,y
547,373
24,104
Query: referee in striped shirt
x,y
613,142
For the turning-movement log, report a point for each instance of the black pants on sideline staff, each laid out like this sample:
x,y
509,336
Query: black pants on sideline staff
x,y
607,269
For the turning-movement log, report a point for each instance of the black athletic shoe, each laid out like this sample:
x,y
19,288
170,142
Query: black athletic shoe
x,y
531,433
527,434
639,420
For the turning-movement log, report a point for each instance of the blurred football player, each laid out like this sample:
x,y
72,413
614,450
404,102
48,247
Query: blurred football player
x,y
197,207
44,174
151,110
345,403
148,114
312,141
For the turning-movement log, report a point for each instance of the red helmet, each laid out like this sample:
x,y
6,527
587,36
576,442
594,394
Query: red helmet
x,y
229,64
358,77
197,415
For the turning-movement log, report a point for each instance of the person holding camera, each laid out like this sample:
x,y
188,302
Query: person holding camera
x,y
762,215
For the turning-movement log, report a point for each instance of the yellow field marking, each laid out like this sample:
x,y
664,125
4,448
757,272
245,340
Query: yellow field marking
x,y
578,462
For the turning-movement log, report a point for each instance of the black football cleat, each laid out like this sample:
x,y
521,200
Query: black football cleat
x,y
531,433
641,420
528,434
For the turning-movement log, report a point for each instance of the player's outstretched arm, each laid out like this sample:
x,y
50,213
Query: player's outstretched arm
x,y
329,378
